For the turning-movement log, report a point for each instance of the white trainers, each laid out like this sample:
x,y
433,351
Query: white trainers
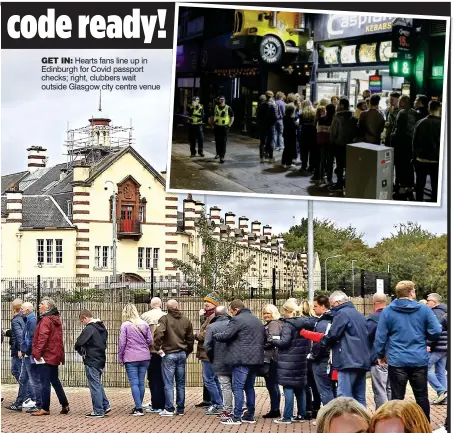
x,y
28,403
166,413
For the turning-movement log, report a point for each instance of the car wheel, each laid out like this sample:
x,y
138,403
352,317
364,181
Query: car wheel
x,y
271,49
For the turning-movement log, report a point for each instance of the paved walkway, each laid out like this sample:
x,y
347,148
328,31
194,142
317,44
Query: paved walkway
x,y
119,420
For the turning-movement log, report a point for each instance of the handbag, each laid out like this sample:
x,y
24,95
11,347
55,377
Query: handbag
x,y
264,370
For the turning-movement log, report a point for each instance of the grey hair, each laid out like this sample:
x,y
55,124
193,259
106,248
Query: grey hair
x,y
338,296
172,304
50,303
434,297
379,297
156,302
221,310
28,306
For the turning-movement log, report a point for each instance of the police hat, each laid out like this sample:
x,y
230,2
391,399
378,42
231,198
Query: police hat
x,y
195,98
221,97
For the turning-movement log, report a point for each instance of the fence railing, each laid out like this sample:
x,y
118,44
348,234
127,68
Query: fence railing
x,y
106,302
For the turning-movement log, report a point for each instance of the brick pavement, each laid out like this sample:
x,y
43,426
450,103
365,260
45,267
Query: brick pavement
x,y
119,420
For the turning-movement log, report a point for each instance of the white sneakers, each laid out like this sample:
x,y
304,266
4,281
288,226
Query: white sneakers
x,y
29,403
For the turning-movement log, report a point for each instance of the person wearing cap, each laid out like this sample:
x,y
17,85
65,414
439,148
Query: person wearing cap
x,y
222,120
210,380
196,116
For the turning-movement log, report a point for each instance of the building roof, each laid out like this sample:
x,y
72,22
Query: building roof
x,y
8,179
40,211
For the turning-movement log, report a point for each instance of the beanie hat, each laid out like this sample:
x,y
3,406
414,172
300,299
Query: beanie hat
x,y
213,298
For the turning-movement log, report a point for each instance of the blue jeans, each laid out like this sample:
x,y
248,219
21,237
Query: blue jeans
x,y
29,383
437,375
352,383
243,379
98,396
289,394
212,384
323,381
174,368
273,388
278,134
136,372
16,367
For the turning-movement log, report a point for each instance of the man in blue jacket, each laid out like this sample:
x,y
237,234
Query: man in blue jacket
x,y
349,343
403,330
29,381
16,334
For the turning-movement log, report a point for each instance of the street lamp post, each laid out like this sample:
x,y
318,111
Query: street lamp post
x,y
353,276
326,270
114,230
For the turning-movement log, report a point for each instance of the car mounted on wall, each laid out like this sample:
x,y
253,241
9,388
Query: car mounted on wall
x,y
270,36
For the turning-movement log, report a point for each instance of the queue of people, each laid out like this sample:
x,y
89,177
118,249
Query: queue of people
x,y
319,354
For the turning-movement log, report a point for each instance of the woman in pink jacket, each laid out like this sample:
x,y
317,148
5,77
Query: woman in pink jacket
x,y
134,353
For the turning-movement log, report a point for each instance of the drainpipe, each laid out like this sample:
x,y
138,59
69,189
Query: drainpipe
x,y
274,19
18,254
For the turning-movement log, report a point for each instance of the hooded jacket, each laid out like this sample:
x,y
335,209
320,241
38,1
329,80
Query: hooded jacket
x,y
292,351
216,350
441,311
403,330
343,128
134,342
174,333
48,338
29,331
16,334
92,343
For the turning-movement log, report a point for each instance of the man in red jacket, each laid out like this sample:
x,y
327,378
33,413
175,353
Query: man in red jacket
x,y
48,352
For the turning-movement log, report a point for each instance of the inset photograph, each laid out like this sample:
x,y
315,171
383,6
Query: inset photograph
x,y
302,104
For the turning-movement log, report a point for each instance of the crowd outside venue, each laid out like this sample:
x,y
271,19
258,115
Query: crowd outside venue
x,y
318,353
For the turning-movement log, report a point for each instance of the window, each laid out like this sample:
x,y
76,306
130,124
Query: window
x,y
70,209
49,251
97,256
111,257
105,256
40,250
148,258
141,214
184,252
155,258
140,258
59,251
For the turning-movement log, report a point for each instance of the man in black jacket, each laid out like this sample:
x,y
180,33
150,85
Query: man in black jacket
x,y
245,338
438,351
426,151
91,345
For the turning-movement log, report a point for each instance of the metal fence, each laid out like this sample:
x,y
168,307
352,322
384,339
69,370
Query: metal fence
x,y
106,301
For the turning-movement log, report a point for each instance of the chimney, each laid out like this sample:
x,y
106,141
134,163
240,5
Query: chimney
x,y
189,216
81,171
267,234
243,225
230,222
255,227
14,204
215,220
63,173
37,158
199,208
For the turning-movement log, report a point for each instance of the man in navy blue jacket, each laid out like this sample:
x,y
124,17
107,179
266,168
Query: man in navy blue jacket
x,y
403,330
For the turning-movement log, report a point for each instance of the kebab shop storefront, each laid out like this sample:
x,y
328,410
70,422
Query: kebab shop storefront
x,y
353,55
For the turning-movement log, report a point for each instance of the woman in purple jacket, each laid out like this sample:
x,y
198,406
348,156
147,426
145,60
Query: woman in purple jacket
x,y
134,353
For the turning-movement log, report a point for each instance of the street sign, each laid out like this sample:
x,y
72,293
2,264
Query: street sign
x,y
375,84
380,284
400,67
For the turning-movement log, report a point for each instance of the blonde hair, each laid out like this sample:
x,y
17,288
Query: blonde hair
x,y
404,288
16,304
293,308
273,311
411,415
131,314
323,102
337,407
307,309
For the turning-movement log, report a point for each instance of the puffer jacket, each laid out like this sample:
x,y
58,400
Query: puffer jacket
x,y
292,351
343,128
216,350
48,338
441,311
245,338
200,337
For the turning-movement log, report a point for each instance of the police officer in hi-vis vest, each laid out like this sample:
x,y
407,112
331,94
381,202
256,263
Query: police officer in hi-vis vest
x,y
222,121
196,116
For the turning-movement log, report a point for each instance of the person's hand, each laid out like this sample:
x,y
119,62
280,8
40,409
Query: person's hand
x,y
202,312
382,362
19,354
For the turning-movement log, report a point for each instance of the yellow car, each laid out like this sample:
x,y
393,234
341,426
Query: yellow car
x,y
269,35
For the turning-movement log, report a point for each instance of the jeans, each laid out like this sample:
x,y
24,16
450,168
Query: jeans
x,y
313,402
326,163
227,396
155,382
174,367
16,367
98,396
352,383
437,376
300,395
424,169
211,381
243,379
196,138
29,383
136,372
278,134
380,385
220,137
269,141
323,381
273,388
417,376
48,375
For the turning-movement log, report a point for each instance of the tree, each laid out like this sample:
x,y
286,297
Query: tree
x,y
218,269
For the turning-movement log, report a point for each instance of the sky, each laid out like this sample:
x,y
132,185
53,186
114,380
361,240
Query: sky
x,y
31,116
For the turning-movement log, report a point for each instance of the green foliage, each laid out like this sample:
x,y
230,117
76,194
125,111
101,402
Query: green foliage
x,y
217,270
84,294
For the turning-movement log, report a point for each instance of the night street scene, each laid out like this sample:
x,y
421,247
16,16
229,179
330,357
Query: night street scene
x,y
308,104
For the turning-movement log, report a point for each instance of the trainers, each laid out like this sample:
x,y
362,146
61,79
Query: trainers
x,y
64,410
213,410
28,403
94,415
32,409
216,157
231,421
299,418
180,413
166,413
156,411
203,404
108,410
137,412
441,398
14,407
248,419
282,421
224,415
